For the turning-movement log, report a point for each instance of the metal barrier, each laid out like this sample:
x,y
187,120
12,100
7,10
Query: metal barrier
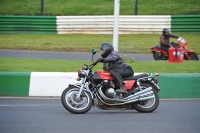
x,y
128,24
104,24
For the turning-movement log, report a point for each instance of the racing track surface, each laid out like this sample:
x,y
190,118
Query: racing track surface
x,y
66,55
45,115
63,55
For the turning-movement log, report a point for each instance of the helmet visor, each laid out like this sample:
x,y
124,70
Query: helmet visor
x,y
102,51
166,33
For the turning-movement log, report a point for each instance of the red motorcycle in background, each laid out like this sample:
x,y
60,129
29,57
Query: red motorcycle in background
x,y
160,53
98,89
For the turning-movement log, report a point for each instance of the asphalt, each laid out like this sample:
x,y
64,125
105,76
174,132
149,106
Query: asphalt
x,y
65,55
38,115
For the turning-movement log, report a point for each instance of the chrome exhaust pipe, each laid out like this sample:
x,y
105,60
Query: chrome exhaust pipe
x,y
146,98
140,99
138,93
131,101
139,96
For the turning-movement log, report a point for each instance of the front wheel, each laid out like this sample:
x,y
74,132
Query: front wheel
x,y
73,104
193,56
149,105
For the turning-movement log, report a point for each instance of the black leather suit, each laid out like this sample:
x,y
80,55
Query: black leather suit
x,y
117,67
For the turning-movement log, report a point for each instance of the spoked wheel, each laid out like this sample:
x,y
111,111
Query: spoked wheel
x,y
148,105
73,104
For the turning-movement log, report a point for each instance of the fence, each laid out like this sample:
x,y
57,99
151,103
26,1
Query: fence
x,y
104,24
99,24
28,24
186,23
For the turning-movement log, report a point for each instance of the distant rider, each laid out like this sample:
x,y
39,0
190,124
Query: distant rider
x,y
113,63
164,39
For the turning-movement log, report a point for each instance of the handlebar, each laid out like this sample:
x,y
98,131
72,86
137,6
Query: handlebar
x,y
94,64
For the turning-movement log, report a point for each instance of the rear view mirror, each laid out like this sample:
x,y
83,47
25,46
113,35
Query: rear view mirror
x,y
94,51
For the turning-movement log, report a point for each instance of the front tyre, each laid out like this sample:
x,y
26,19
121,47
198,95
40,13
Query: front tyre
x,y
193,56
73,104
149,105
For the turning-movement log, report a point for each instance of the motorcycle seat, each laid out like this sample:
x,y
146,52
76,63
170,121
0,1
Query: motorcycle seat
x,y
137,76
158,46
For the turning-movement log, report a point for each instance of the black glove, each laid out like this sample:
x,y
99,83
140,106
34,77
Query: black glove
x,y
100,60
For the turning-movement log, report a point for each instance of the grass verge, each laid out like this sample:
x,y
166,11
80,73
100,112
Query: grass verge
x,y
132,43
51,65
99,7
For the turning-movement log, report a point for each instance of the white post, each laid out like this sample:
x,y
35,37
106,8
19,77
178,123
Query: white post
x,y
116,24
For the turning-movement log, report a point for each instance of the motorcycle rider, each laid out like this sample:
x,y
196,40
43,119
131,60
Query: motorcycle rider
x,y
164,39
113,63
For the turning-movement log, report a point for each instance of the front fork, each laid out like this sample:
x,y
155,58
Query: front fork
x,y
81,88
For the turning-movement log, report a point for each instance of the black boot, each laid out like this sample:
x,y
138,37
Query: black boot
x,y
117,77
121,90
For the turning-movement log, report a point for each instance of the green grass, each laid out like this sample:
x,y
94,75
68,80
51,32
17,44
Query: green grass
x,y
133,43
99,7
52,65
140,43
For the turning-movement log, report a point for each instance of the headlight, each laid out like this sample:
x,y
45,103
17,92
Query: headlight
x,y
81,73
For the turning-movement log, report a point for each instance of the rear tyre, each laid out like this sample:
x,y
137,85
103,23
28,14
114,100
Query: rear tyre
x,y
159,56
149,105
156,56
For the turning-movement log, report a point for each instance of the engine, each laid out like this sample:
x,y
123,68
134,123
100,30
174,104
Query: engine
x,y
110,92
108,89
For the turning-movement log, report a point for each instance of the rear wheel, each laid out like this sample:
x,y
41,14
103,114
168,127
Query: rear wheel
x,y
159,56
156,56
149,105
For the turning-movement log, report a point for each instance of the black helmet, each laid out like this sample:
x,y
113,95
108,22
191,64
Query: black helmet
x,y
107,47
166,32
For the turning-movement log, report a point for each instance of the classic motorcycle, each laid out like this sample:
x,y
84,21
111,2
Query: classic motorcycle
x,y
98,89
160,53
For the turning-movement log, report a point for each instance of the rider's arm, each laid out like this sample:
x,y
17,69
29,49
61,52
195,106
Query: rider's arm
x,y
174,36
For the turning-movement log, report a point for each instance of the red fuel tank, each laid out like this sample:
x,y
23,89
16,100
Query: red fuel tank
x,y
105,75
